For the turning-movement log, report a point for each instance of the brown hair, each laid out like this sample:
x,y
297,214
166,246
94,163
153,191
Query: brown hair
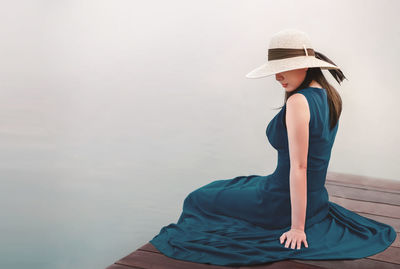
x,y
334,99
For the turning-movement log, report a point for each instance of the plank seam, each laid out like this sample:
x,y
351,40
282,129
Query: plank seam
x,y
377,189
382,261
383,203
129,266
152,251
356,211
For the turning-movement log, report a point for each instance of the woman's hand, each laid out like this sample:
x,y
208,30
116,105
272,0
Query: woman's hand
x,y
294,236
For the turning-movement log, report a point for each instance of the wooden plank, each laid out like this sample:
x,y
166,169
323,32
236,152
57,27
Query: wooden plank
x,y
390,221
149,247
391,254
383,190
119,266
351,264
147,259
362,194
379,209
396,242
279,264
385,260
384,184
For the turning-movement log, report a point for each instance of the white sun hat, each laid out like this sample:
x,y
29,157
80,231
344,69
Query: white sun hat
x,y
291,49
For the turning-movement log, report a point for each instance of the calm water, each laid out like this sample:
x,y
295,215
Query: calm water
x,y
87,177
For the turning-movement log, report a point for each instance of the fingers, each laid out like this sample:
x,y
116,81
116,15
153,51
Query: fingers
x,y
288,241
293,245
298,244
293,241
283,237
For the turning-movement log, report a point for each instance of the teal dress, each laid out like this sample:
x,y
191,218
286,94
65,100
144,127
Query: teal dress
x,y
239,221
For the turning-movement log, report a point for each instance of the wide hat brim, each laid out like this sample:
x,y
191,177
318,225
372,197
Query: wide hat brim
x,y
276,66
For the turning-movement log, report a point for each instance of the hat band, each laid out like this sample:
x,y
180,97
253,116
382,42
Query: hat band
x,y
281,53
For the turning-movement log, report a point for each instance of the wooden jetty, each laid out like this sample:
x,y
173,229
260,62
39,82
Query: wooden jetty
x,y
378,199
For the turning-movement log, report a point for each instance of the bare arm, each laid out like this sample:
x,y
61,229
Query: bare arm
x,y
297,122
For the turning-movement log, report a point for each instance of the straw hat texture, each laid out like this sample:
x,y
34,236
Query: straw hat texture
x,y
291,49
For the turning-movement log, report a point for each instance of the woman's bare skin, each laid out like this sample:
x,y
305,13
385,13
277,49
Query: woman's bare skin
x,y
297,122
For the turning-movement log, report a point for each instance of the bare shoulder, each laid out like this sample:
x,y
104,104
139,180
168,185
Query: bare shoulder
x,y
297,100
297,107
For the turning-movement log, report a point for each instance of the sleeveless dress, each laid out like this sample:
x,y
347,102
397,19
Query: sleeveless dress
x,y
239,221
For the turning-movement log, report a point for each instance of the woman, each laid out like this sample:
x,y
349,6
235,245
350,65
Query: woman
x,y
257,219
